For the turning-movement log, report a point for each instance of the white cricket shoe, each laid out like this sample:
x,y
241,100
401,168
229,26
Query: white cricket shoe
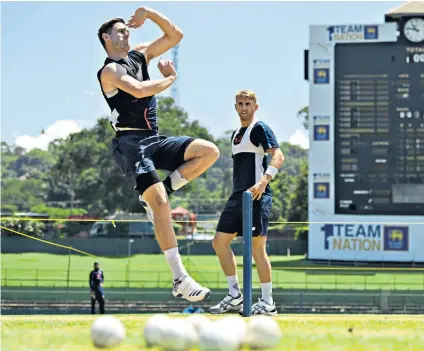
x,y
187,288
229,303
262,307
149,211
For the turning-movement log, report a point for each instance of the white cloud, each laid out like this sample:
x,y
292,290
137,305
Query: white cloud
x,y
88,92
85,123
299,138
58,130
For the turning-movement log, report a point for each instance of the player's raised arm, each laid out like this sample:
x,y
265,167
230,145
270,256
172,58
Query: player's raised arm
x,y
117,76
172,34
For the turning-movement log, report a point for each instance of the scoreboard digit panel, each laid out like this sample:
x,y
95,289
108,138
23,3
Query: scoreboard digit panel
x,y
379,129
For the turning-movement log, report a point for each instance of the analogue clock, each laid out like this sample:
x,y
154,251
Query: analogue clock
x,y
414,30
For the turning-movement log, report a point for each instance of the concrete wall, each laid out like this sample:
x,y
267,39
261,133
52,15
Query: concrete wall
x,y
119,246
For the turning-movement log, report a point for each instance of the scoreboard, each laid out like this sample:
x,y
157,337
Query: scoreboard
x,y
366,157
379,129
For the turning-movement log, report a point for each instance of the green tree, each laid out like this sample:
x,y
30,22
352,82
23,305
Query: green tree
x,y
57,212
35,164
22,194
24,177
174,121
224,165
303,114
32,228
298,211
85,171
282,187
295,156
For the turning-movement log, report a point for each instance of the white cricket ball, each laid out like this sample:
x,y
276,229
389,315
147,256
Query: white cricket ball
x,y
178,335
199,321
218,337
107,331
237,325
263,332
154,329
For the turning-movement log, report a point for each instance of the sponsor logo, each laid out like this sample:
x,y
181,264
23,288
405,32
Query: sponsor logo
x,y
321,132
321,75
352,33
321,190
364,237
396,238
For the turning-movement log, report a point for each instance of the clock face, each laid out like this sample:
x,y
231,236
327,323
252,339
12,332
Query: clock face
x,y
414,30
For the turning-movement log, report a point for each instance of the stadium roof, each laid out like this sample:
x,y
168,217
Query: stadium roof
x,y
411,8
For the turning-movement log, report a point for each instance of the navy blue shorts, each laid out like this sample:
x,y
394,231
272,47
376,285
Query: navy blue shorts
x,y
138,153
231,219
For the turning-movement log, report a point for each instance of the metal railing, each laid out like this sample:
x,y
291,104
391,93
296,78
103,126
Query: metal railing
x,y
283,279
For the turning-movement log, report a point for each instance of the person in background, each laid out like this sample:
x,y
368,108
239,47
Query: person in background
x,y
96,286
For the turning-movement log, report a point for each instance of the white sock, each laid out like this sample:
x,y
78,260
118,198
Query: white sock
x,y
267,292
177,180
233,286
174,260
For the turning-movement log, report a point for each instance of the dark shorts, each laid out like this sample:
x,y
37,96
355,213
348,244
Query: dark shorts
x,y
139,154
231,219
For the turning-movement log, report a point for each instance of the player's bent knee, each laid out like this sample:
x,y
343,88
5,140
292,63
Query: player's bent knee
x,y
213,151
156,197
160,202
146,180
201,148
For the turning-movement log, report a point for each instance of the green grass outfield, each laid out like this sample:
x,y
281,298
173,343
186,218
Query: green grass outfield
x,y
151,271
300,332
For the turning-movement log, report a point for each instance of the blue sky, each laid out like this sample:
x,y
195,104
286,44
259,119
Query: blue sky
x,y
50,56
